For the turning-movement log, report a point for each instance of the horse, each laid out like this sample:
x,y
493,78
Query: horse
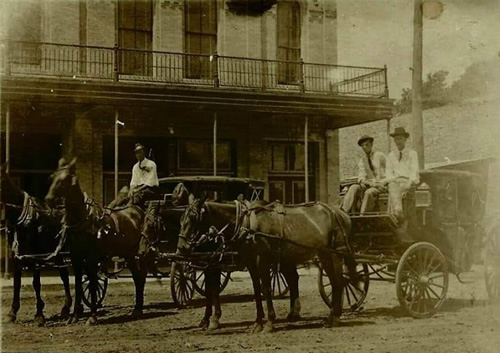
x,y
33,231
94,235
262,238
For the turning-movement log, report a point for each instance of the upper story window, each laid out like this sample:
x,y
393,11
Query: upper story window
x,y
200,36
25,24
289,43
135,31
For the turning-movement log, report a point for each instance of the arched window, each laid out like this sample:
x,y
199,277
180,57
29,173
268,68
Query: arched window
x,y
200,33
289,28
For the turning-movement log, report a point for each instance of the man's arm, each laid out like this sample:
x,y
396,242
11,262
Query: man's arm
x,y
134,181
389,170
361,171
152,174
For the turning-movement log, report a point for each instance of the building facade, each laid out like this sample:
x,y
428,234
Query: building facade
x,y
260,78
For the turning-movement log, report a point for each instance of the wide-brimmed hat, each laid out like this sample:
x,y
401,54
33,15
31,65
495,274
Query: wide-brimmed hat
x,y
400,131
138,147
364,138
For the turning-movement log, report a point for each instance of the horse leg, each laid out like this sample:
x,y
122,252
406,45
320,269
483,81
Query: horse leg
x,y
332,265
292,278
65,311
205,322
257,290
139,273
37,286
16,301
264,269
214,321
92,270
77,263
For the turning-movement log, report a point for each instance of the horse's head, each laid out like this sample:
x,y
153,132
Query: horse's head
x,y
153,225
191,224
62,180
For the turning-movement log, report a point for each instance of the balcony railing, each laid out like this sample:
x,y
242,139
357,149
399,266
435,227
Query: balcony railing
x,y
128,65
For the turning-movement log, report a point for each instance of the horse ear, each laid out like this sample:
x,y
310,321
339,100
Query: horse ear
x,y
191,199
72,165
203,200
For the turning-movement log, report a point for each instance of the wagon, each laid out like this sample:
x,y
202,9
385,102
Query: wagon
x,y
441,235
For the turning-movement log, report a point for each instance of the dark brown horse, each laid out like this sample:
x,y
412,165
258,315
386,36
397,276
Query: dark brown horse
x,y
94,236
33,230
271,234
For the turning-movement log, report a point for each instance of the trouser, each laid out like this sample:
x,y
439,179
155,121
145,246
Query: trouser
x,y
143,193
397,190
367,195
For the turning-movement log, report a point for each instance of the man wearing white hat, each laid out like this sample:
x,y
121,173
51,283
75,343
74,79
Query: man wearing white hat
x,y
144,183
402,171
371,172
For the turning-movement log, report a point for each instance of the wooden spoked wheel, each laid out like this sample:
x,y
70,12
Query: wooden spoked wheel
x,y
492,263
182,284
199,282
355,290
422,280
102,287
279,285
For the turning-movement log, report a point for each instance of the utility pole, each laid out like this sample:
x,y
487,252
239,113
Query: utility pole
x,y
417,129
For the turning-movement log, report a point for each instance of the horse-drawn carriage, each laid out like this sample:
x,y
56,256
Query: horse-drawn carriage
x,y
441,234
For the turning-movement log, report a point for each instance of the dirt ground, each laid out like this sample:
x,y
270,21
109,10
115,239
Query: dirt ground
x,y
466,323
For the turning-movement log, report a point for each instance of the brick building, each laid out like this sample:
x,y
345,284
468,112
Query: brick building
x,y
258,76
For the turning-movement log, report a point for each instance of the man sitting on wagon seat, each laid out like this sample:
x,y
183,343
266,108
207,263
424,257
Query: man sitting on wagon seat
x,y
144,183
371,168
402,172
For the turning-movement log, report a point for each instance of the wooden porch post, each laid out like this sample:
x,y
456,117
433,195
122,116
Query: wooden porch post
x,y
116,152
215,144
306,156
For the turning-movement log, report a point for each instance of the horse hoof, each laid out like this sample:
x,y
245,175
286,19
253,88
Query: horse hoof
x,y
65,312
257,327
268,327
40,320
332,322
214,324
203,324
92,320
10,318
136,313
73,319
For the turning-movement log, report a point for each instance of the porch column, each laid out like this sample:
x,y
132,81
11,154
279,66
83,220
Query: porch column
x,y
306,157
215,144
332,165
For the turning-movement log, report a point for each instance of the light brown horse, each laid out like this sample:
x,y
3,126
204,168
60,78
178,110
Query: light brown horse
x,y
95,235
274,234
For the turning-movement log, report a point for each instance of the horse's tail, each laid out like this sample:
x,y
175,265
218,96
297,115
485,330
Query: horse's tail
x,y
343,229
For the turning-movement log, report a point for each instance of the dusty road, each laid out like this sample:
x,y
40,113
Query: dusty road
x,y
466,323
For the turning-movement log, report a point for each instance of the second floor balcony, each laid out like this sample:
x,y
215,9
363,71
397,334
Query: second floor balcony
x,y
62,61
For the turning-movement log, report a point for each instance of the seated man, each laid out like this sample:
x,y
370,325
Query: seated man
x,y
371,168
402,172
144,183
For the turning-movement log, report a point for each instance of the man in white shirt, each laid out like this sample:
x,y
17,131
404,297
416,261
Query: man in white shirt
x,y
402,172
371,172
144,183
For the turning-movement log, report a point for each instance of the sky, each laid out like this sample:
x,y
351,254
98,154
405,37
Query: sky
x,y
380,32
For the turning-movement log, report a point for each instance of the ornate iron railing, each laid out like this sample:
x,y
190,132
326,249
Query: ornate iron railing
x,y
120,64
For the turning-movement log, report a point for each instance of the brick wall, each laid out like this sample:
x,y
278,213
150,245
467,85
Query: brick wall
x,y
454,132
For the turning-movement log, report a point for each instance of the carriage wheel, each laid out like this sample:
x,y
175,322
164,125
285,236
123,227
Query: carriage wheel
x,y
199,282
279,285
422,280
182,284
354,293
102,287
492,263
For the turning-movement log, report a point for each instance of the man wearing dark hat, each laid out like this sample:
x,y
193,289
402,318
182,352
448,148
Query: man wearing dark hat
x,y
402,171
144,183
371,172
